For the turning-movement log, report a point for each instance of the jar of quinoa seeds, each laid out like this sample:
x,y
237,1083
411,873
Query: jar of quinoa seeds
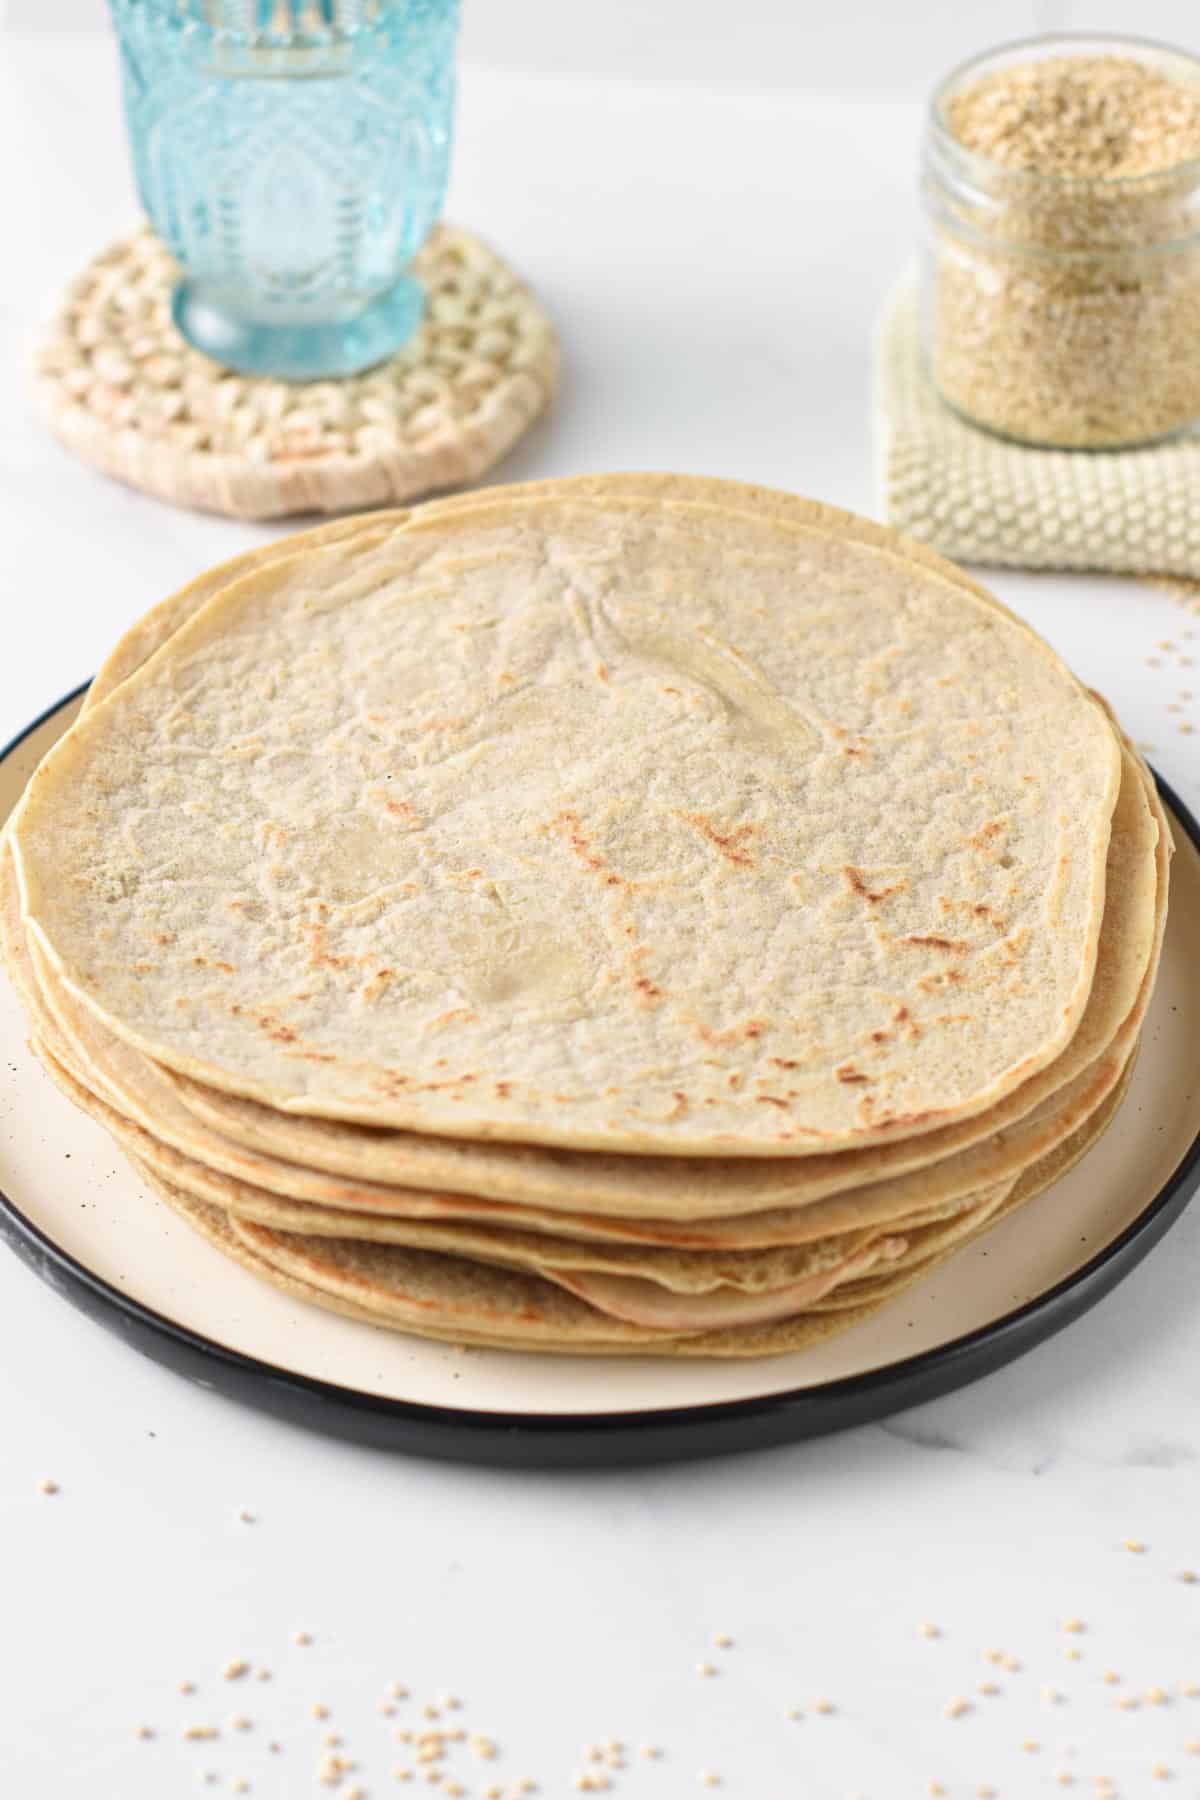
x,y
1061,268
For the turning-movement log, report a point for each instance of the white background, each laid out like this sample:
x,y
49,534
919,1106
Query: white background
x,y
713,200
850,48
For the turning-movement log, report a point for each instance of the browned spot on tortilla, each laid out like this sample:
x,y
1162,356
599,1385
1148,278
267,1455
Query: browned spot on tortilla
x,y
444,1018
372,989
647,992
570,829
503,1089
318,956
981,838
389,1081
681,1105
849,1074
227,968
771,1100
783,1062
168,937
849,750
880,1037
937,943
856,882
601,672
732,845
902,1121
903,1017
734,1081
732,1034
439,723
275,1028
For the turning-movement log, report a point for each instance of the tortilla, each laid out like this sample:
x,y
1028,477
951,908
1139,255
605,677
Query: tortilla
x,y
559,995
695,1189
535,1173
152,630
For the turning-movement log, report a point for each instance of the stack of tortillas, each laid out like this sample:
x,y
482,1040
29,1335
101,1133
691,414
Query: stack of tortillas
x,y
629,914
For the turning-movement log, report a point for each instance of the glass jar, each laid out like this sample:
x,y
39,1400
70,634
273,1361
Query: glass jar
x,y
292,155
1060,310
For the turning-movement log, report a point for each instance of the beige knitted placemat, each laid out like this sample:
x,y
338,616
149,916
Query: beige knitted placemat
x,y
122,389
979,499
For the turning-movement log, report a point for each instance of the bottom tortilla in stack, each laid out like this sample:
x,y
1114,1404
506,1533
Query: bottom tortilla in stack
x,y
531,1247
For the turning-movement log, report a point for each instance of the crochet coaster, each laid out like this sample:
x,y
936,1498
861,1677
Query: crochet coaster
x,y
122,389
979,499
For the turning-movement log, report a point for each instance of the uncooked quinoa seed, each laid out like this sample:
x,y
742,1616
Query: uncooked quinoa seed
x,y
1064,272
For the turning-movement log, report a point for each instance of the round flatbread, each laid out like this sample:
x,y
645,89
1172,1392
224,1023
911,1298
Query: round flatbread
x,y
622,820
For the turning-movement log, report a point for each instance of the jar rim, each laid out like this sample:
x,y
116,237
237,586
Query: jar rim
x,y
1046,44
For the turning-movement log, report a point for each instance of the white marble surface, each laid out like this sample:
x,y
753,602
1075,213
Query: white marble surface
x,y
715,263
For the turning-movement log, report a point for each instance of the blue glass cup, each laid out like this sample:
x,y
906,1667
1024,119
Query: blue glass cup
x,y
292,155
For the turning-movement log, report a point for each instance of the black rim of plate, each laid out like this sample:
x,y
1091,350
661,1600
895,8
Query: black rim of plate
x,y
578,1440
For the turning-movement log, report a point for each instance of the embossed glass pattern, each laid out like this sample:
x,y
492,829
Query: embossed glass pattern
x,y
293,156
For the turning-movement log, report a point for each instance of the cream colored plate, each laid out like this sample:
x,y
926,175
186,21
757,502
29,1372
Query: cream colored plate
x,y
68,1188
